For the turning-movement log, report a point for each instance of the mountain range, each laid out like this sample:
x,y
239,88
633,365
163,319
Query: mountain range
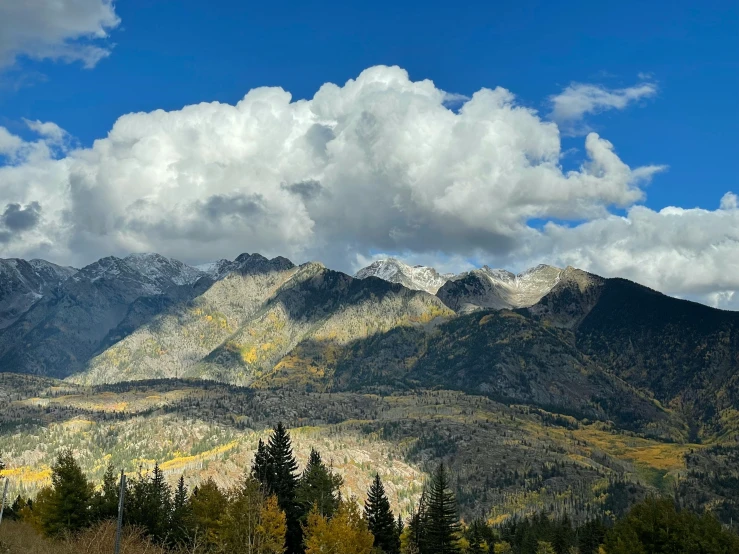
x,y
605,348
625,372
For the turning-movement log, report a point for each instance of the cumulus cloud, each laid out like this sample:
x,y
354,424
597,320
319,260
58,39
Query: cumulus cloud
x,y
380,164
693,253
578,100
66,30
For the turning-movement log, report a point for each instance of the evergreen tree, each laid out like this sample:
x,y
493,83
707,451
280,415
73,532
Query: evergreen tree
x,y
67,507
181,518
318,487
380,519
591,536
479,537
275,467
208,504
149,504
260,468
442,527
415,534
105,501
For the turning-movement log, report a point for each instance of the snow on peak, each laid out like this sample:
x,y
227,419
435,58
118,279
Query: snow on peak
x,y
160,269
216,270
417,277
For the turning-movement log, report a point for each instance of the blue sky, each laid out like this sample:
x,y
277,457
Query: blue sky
x,y
165,55
169,54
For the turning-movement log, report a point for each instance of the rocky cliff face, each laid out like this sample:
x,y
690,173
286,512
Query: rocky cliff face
x,y
23,283
498,289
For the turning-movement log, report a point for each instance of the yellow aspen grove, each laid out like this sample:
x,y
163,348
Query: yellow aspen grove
x,y
345,533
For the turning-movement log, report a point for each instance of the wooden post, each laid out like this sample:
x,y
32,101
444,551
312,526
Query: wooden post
x,y
5,494
121,497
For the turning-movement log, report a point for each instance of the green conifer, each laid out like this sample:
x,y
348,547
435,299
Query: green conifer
x,y
181,518
69,504
380,519
275,467
105,501
319,487
442,526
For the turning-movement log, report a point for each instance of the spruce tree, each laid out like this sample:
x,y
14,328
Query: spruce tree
x,y
69,502
105,501
318,487
417,524
275,467
260,468
149,504
180,520
380,519
442,527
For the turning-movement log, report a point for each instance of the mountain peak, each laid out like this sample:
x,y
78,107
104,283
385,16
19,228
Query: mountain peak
x,y
416,277
499,288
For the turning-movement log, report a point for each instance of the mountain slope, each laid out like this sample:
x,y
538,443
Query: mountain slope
x,y
23,283
59,334
181,335
685,353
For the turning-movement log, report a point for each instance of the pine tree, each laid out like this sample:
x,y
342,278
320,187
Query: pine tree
x,y
260,468
318,487
105,501
149,504
479,536
442,528
68,506
417,525
380,519
181,518
275,467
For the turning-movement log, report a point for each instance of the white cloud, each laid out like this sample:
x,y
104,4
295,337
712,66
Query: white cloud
x,y
570,106
377,165
48,129
693,253
66,30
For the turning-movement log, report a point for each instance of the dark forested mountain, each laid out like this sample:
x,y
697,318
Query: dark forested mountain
x,y
686,354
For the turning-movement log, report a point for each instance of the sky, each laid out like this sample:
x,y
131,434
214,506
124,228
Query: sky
x,y
598,135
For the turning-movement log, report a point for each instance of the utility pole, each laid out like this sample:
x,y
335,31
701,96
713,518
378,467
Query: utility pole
x,y
5,494
121,497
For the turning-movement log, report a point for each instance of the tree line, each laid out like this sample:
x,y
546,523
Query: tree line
x,y
278,510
